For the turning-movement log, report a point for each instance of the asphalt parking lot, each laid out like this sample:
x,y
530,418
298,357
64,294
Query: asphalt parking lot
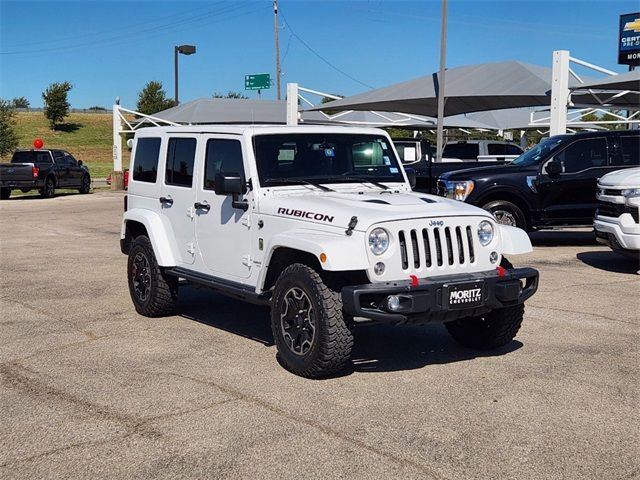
x,y
89,389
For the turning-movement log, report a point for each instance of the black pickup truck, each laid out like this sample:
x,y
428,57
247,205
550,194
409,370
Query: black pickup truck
x,y
418,154
44,170
551,185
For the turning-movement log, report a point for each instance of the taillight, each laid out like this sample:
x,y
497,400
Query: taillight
x,y
35,171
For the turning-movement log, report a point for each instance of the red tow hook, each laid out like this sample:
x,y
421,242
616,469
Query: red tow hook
x,y
414,280
501,271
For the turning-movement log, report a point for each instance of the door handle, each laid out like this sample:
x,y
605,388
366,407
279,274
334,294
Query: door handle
x,y
202,206
168,201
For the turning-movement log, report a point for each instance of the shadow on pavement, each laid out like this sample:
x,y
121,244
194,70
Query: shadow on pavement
x,y
561,238
609,261
38,197
378,348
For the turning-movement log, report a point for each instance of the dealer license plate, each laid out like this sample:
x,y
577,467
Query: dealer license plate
x,y
464,295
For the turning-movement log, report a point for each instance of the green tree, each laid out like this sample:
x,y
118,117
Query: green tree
x,y
589,117
56,105
153,99
608,117
20,102
8,135
230,94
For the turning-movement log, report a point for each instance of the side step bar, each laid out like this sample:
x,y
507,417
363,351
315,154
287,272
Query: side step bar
x,y
226,287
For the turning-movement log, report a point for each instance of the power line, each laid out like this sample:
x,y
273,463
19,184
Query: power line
x,y
149,31
337,69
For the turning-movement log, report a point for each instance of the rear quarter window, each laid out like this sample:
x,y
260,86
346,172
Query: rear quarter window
x,y
464,151
145,162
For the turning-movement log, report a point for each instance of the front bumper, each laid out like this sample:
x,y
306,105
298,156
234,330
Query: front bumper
x,y
426,302
616,235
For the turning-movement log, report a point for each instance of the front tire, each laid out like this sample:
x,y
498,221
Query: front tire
x,y
491,330
5,193
506,213
309,328
85,187
153,293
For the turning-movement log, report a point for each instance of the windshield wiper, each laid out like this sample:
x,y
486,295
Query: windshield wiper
x,y
359,179
298,181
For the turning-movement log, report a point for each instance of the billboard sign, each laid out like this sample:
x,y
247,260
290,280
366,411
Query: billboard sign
x,y
629,39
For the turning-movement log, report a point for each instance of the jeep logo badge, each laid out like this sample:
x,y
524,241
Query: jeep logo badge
x,y
436,223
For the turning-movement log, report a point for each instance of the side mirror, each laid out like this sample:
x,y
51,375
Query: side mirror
x,y
411,176
229,184
554,168
79,163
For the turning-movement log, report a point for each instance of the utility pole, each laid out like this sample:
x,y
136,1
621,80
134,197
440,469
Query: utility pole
x,y
276,28
441,98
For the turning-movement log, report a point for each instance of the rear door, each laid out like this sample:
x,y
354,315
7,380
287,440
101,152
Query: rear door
x,y
75,171
177,193
61,168
571,198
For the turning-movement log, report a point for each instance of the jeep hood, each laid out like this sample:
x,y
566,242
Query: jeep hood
x,y
627,178
336,208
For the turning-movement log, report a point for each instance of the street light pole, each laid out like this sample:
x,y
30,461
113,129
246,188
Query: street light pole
x,y
441,97
184,50
276,28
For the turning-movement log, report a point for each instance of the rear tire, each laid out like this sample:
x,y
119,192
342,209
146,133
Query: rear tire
x,y
490,330
85,187
49,188
506,213
5,193
153,293
309,329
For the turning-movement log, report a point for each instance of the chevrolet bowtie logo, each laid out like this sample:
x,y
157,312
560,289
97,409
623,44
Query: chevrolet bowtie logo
x,y
635,25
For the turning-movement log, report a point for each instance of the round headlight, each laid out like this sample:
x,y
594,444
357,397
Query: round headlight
x,y
485,233
378,241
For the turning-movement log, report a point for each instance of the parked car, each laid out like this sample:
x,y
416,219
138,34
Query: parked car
x,y
319,223
481,150
418,154
617,222
551,185
43,170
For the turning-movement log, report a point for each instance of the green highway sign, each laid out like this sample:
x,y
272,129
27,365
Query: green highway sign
x,y
257,81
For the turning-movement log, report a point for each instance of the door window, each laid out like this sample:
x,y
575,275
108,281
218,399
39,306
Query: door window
x,y
145,162
69,161
464,151
222,156
181,154
584,154
630,146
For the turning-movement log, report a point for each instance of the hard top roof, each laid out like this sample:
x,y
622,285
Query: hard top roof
x,y
251,129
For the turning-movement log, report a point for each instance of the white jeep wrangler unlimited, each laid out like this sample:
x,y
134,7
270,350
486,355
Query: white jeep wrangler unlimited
x,y
321,224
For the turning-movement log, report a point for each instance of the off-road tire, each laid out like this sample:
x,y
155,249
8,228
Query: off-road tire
x,y
490,330
332,342
49,188
5,193
511,211
163,289
85,187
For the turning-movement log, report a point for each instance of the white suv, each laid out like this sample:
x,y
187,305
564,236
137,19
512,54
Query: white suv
x,y
321,224
617,221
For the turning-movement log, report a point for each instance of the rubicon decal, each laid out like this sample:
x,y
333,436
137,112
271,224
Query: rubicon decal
x,y
321,217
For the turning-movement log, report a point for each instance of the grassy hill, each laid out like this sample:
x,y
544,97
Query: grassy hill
x,y
87,136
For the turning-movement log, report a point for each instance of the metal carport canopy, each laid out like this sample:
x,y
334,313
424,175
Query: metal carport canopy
x,y
470,88
625,81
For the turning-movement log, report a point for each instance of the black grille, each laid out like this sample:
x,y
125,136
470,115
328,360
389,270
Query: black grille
x,y
614,210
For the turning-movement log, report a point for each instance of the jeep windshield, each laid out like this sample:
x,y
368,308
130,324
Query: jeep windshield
x,y
294,159
540,151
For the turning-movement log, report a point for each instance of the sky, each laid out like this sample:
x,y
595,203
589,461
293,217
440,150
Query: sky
x,y
110,49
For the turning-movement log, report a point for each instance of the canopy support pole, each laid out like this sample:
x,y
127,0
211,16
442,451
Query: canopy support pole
x,y
441,98
292,104
117,179
559,92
